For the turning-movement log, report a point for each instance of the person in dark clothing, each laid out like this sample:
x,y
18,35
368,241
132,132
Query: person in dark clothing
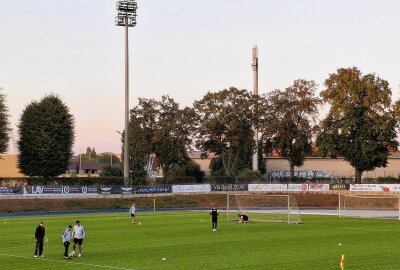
x,y
214,218
243,218
39,235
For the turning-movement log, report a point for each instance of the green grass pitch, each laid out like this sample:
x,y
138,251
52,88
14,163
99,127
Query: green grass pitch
x,y
186,241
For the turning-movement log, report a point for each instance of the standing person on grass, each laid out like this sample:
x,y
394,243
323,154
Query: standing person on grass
x,y
132,211
78,235
39,235
66,237
214,218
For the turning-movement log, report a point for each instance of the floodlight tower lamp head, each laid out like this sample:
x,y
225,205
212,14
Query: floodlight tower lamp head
x,y
126,13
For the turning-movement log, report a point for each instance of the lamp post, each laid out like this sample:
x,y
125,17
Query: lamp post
x,y
126,17
80,162
255,94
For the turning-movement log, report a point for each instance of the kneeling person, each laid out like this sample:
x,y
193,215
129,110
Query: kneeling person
x,y
243,219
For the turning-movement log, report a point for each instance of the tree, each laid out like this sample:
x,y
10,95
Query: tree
x,y
108,158
216,167
139,149
224,127
46,135
164,129
91,154
361,124
4,123
262,161
287,121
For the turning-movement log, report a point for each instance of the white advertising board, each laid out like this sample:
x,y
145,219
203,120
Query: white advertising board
x,y
267,187
375,187
298,187
191,188
318,187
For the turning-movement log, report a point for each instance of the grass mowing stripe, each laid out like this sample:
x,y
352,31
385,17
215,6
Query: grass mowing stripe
x,y
67,262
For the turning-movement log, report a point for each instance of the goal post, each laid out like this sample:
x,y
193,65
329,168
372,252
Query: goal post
x,y
264,207
369,206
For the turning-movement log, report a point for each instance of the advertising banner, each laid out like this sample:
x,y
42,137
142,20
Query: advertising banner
x,y
80,190
11,190
318,187
127,190
267,187
106,190
229,187
338,186
298,187
375,187
149,190
191,188
44,190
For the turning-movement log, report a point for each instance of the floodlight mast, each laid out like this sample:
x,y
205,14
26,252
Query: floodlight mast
x,y
126,17
254,66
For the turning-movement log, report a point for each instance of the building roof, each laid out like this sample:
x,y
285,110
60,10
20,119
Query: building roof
x,y
85,166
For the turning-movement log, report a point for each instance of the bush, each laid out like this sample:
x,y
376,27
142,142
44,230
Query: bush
x,y
182,180
388,179
189,172
249,176
140,181
76,181
111,171
220,180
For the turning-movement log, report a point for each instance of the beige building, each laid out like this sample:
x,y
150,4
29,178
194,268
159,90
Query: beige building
x,y
332,167
8,166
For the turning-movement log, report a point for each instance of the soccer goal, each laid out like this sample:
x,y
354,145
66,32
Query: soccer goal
x,y
262,207
369,206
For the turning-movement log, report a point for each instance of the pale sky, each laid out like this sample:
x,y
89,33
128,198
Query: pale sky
x,y
182,48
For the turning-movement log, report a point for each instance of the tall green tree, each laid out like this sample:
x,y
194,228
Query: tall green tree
x,y
361,124
46,135
288,119
4,123
224,127
165,129
139,149
108,159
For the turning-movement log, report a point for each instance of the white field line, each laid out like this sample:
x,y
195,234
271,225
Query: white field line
x,y
66,262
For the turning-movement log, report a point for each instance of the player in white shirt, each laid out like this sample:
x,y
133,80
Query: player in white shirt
x,y
132,211
78,234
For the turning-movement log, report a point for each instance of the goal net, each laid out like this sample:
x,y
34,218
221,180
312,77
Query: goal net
x,y
369,206
260,207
